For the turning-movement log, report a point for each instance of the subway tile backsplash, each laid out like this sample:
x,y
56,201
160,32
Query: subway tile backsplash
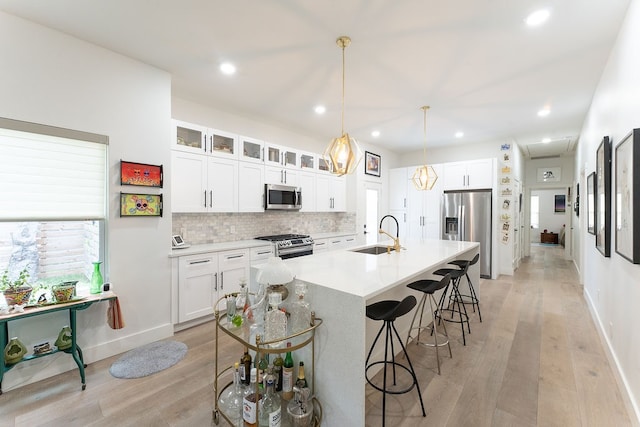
x,y
200,228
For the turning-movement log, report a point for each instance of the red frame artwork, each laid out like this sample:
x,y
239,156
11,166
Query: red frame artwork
x,y
140,174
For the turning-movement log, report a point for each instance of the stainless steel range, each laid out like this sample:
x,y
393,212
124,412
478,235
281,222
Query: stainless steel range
x,y
290,245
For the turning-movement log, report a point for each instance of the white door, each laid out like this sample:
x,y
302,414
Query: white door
x,y
372,211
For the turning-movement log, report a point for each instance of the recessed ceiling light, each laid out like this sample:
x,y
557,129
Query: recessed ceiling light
x,y
228,68
544,112
375,133
546,140
459,134
320,109
538,17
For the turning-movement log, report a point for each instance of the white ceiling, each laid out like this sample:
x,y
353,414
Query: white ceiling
x,y
475,62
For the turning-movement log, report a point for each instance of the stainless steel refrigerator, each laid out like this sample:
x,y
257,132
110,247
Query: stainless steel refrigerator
x,y
466,216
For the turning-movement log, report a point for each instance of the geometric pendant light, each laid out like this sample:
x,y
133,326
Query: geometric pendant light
x,y
424,178
344,153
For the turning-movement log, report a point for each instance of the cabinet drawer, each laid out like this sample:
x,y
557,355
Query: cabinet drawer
x,y
232,259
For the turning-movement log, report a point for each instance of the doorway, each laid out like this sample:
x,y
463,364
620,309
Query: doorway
x,y
550,218
372,212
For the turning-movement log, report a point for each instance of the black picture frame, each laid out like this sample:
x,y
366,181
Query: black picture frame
x,y
141,174
371,164
591,203
627,192
603,197
140,205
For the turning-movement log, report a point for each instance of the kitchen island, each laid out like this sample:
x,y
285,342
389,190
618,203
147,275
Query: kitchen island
x,y
341,284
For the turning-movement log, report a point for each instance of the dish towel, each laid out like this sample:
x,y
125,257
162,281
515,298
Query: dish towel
x,y
114,314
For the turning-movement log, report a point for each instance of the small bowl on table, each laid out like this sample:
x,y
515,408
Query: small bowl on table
x,y
65,291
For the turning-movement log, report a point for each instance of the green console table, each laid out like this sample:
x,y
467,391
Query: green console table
x,y
73,307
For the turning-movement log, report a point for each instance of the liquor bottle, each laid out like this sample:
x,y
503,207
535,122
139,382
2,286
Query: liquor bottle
x,y
301,382
287,375
278,364
271,408
275,326
250,402
231,399
300,318
262,366
245,367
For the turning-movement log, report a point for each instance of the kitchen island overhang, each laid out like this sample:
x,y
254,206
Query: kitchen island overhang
x,y
341,284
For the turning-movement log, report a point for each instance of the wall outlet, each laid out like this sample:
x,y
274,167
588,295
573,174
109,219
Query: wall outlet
x,y
183,232
233,229
611,331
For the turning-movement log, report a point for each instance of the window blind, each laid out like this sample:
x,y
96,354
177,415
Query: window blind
x,y
46,177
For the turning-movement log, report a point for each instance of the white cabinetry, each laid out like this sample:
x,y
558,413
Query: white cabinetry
x,y
203,278
423,209
320,245
204,174
307,181
333,243
398,189
250,187
476,174
280,175
199,139
331,193
197,286
251,150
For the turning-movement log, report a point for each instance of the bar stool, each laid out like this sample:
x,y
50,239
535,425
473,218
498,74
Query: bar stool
x,y
388,311
455,306
428,287
473,297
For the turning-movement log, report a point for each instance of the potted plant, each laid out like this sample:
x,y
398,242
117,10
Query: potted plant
x,y
17,291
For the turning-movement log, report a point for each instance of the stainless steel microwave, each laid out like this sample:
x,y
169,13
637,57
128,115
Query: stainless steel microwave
x,y
282,197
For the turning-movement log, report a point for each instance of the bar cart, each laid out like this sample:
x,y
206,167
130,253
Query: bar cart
x,y
241,334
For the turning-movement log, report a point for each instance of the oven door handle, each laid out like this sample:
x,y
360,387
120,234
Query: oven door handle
x,y
294,250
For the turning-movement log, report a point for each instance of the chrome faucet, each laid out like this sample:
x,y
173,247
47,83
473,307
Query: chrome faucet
x,y
396,240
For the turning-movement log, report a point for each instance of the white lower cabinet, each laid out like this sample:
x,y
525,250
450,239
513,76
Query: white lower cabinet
x,y
333,243
202,279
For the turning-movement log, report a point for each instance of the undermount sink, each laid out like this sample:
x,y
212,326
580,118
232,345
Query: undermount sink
x,y
372,250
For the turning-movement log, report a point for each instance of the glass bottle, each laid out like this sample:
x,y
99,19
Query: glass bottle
x,y
287,375
96,279
271,408
275,321
231,399
242,301
262,366
245,367
278,365
300,312
301,382
250,402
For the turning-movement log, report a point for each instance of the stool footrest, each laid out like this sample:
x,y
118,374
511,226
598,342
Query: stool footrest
x,y
388,390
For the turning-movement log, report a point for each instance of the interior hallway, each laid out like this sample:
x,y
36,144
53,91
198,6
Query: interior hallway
x,y
536,359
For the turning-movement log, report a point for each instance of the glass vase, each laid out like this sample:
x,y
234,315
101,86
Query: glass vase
x,y
96,279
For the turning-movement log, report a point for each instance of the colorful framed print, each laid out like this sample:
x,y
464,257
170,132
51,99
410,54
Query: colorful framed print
x,y
603,197
591,203
140,174
371,164
140,204
627,226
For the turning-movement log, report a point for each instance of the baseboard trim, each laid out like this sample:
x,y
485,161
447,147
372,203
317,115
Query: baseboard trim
x,y
628,397
45,367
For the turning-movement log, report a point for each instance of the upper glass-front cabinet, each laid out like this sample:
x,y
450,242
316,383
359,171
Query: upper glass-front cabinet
x,y
291,159
251,150
198,139
223,144
323,165
190,138
308,161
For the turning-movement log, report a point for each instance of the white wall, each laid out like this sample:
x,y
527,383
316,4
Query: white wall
x,y
552,221
611,284
54,79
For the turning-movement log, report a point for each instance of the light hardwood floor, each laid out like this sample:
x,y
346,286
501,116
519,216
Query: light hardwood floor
x,y
535,360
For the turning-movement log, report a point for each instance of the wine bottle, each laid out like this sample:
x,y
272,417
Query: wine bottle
x,y
278,364
263,364
301,382
287,375
245,367
250,402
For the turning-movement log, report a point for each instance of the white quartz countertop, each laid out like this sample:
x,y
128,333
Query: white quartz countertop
x,y
218,247
366,275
